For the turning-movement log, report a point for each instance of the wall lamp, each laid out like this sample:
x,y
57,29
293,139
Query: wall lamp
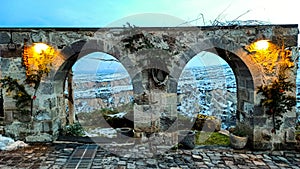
x,y
37,56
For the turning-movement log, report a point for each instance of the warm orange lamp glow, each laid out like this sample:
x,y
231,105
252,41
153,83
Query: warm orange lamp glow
x,y
38,57
261,45
40,47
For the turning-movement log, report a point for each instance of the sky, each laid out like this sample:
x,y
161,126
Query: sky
x,y
96,64
102,13
116,13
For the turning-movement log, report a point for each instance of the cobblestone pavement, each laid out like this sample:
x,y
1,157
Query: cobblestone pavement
x,y
57,155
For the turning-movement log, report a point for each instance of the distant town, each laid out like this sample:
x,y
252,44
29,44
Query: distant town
x,y
209,90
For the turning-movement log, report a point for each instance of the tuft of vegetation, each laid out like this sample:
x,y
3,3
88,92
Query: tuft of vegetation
x,y
241,130
23,99
211,138
73,130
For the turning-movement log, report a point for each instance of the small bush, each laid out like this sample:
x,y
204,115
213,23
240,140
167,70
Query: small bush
x,y
241,130
73,130
212,138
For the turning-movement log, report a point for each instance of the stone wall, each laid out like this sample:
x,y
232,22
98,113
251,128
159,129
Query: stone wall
x,y
154,59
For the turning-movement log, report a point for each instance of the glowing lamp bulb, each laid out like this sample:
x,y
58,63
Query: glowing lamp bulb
x,y
262,45
40,47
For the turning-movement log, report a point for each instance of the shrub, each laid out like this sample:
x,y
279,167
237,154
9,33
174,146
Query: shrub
x,y
73,130
241,129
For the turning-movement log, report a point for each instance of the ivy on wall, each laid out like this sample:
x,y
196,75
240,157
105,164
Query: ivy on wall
x,y
23,99
276,95
37,61
145,40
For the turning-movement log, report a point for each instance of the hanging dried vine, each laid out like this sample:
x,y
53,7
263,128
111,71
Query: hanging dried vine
x,y
145,40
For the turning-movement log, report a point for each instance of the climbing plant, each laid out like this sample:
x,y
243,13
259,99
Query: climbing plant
x,y
276,97
20,94
147,40
37,61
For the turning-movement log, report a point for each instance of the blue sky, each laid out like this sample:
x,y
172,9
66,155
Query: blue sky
x,y
101,13
96,64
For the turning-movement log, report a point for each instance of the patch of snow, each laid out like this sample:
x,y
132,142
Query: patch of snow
x,y
104,132
9,144
118,115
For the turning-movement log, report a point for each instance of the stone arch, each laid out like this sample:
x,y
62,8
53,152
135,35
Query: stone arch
x,y
69,55
244,69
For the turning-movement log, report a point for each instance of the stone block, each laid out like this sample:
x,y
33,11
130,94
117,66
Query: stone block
x,y
249,84
43,137
260,121
4,38
47,88
15,129
289,122
258,111
67,51
290,135
243,93
77,46
8,115
19,37
47,126
168,123
42,115
37,127
5,63
146,117
258,145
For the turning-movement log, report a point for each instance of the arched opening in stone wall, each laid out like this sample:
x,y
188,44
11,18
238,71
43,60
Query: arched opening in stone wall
x,y
207,86
227,94
101,95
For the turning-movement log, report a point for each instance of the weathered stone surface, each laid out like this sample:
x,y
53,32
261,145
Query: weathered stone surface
x,y
260,121
16,129
18,37
172,49
39,36
4,37
42,115
47,88
43,137
5,63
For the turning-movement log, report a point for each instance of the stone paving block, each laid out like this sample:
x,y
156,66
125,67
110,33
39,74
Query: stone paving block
x,y
122,163
178,159
197,157
243,166
130,165
233,167
97,167
259,163
229,163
